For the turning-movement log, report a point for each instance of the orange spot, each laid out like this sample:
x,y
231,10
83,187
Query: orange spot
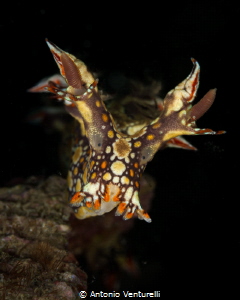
x,y
107,194
105,117
81,159
150,137
93,175
146,215
143,215
136,165
110,134
131,172
137,144
104,164
116,197
88,204
128,215
137,184
156,125
76,198
97,204
121,208
98,103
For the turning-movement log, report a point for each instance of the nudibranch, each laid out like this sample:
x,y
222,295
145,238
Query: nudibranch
x,y
107,163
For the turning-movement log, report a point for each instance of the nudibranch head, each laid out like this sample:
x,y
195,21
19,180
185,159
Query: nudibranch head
x,y
107,164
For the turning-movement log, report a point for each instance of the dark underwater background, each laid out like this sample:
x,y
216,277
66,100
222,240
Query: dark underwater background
x,y
192,245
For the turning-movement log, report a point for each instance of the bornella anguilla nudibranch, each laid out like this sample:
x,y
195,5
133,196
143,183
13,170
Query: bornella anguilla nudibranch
x,y
107,162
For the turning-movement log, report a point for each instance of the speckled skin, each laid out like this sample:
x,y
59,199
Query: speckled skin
x,y
107,164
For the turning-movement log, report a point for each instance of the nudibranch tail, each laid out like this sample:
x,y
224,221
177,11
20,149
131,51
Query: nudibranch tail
x,y
107,164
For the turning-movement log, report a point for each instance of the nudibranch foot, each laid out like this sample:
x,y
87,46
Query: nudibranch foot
x,y
107,162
